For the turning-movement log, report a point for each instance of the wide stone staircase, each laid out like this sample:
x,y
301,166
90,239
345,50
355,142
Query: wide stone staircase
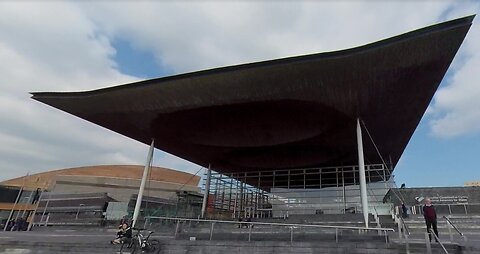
x,y
264,238
468,225
463,230
318,227
212,237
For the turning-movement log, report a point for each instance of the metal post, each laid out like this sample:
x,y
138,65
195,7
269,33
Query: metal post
x,y
44,210
427,241
26,204
223,183
142,184
235,201
291,234
32,220
230,195
146,222
336,235
407,244
21,208
241,199
176,229
78,210
207,190
211,231
450,231
250,232
344,194
361,168
399,222
384,177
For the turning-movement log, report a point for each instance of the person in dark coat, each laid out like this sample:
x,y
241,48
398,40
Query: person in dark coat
x,y
404,211
124,234
10,225
430,216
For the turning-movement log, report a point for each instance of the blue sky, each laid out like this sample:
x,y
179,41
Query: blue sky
x,y
433,161
101,44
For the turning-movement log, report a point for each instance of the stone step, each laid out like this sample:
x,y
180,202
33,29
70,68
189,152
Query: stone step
x,y
457,224
222,247
281,236
49,247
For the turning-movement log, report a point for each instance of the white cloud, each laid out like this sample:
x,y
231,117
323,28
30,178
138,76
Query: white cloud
x,y
40,51
66,46
456,108
189,36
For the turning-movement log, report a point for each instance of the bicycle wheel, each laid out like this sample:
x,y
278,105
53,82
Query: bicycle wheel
x,y
135,248
123,247
154,246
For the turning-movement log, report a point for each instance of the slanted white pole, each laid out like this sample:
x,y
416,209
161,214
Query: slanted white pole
x,y
32,220
28,202
16,202
207,189
361,169
142,185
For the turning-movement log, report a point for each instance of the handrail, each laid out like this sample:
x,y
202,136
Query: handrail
x,y
453,225
406,233
418,208
404,225
271,223
438,240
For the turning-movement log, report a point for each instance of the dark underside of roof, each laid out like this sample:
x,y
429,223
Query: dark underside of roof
x,y
297,112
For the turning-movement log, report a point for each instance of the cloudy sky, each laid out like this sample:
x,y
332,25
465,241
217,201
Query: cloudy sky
x,y
70,46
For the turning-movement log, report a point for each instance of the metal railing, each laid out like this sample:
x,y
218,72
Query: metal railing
x,y
406,232
251,225
404,226
452,225
427,240
471,208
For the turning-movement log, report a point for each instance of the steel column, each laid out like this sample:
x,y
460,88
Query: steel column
x,y
142,184
16,201
361,169
207,191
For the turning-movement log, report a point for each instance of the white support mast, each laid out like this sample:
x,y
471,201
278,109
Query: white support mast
x,y
207,190
142,184
20,192
361,169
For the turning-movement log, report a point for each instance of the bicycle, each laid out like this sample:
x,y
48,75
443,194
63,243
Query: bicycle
x,y
141,244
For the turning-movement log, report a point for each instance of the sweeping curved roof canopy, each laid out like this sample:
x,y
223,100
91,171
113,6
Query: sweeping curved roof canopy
x,y
295,112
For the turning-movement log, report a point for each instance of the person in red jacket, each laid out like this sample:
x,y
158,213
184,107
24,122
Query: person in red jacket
x,y
430,216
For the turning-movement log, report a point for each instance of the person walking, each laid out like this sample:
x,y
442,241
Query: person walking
x,y
430,216
404,211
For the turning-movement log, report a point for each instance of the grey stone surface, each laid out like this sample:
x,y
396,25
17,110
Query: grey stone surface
x,y
90,241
